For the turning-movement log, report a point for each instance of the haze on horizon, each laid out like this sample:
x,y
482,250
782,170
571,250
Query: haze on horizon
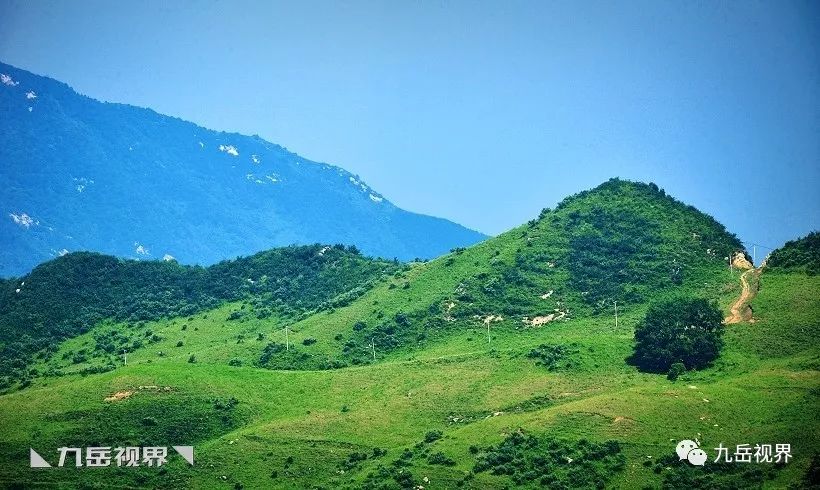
x,y
482,113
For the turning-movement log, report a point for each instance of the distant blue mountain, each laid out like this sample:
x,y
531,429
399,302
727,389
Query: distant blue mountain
x,y
79,174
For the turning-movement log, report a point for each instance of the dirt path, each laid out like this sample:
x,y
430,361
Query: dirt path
x,y
740,310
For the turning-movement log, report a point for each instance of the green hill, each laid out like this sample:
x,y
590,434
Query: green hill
x,y
798,255
621,242
69,295
497,366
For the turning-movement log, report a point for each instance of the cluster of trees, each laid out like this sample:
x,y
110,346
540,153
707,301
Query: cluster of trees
x,y
69,295
545,461
719,474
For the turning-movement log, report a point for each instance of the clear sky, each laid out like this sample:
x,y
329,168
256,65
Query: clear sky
x,y
480,112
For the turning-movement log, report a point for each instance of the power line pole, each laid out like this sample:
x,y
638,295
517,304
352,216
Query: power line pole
x,y
287,342
373,348
488,332
616,315
124,357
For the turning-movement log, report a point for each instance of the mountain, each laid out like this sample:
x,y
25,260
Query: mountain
x,y
500,365
78,174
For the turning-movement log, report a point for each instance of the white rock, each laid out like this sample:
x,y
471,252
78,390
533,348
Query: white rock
x,y
6,80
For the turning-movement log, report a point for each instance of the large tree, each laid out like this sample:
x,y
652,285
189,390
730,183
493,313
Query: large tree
x,y
685,330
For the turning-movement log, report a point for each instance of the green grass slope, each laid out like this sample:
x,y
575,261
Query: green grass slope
x,y
550,403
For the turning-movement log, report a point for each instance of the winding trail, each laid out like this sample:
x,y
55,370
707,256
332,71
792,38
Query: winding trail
x,y
740,310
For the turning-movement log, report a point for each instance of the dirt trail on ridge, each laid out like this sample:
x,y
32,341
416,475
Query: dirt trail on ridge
x,y
740,310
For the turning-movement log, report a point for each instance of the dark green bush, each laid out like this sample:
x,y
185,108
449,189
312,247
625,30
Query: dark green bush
x,y
432,436
554,357
675,370
440,459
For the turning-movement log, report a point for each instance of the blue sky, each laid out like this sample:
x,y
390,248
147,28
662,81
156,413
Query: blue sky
x,y
481,112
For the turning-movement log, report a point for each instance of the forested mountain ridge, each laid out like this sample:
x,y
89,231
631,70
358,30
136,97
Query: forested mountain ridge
x,y
78,174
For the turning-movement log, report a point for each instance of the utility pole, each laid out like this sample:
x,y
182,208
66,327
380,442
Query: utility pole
x,y
616,315
373,348
287,342
124,357
488,331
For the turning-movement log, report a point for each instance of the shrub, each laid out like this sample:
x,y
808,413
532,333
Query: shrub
x,y
554,357
684,330
235,362
227,404
192,359
440,459
309,341
675,370
432,436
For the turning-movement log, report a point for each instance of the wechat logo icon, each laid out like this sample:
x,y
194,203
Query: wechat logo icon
x,y
691,451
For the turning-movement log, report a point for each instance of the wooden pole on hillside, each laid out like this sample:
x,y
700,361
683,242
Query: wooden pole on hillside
x,y
616,314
